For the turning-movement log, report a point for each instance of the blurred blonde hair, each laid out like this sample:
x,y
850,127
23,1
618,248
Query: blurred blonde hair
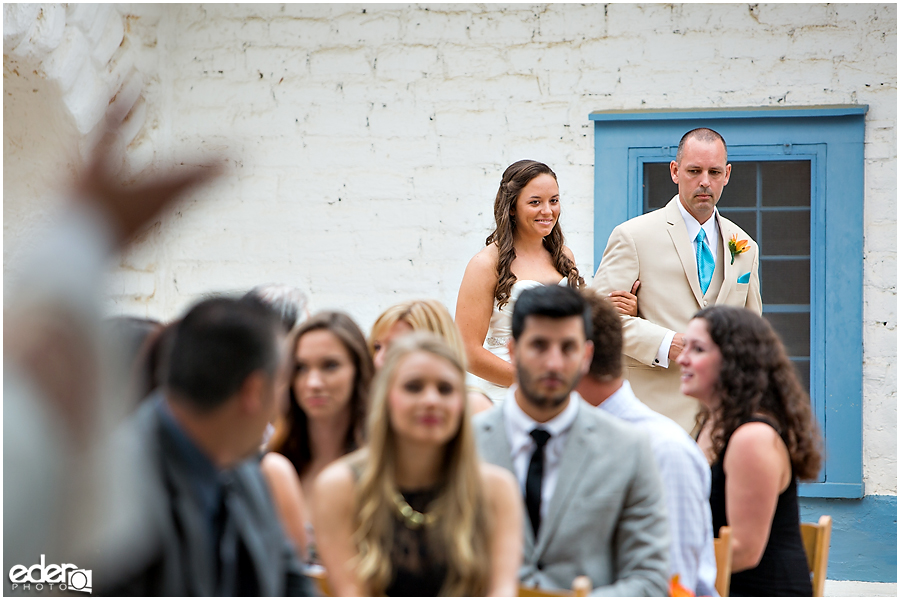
x,y
421,315
461,528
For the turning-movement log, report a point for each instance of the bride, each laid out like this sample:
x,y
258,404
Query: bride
x,y
525,249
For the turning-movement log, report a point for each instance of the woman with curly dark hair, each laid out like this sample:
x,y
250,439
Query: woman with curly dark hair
x,y
757,429
526,248
325,420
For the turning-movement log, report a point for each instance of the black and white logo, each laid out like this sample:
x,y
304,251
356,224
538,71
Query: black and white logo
x,y
64,577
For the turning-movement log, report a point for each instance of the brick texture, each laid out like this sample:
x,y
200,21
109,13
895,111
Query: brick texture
x,y
367,142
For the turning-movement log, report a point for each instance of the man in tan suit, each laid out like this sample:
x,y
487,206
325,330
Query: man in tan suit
x,y
683,258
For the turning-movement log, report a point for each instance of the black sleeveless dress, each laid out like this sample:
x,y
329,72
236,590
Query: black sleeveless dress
x,y
783,570
418,564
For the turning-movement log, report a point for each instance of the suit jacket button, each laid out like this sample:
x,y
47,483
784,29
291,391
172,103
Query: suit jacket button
x,y
540,566
705,303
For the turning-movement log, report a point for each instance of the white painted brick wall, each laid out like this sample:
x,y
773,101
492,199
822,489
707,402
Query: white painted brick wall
x,y
368,141
63,64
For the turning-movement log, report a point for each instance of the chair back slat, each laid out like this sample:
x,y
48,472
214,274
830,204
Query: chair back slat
x,y
723,560
320,577
817,543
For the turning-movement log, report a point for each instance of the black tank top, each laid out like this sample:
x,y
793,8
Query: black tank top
x,y
783,570
418,563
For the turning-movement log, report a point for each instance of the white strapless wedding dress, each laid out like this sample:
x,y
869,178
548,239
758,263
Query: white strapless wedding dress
x,y
499,333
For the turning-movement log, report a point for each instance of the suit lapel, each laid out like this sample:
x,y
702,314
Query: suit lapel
x,y
493,440
495,449
197,563
684,247
573,457
249,536
726,229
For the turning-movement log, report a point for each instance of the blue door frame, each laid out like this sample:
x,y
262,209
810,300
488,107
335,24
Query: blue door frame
x,y
832,138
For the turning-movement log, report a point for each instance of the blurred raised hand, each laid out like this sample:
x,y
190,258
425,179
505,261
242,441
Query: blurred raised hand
x,y
62,381
129,203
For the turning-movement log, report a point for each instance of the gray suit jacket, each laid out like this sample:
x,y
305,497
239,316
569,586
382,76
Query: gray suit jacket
x,y
607,517
177,560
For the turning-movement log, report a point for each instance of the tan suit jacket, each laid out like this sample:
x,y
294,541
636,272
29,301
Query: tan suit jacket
x,y
655,249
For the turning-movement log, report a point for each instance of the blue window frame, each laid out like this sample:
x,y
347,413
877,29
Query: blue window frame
x,y
831,139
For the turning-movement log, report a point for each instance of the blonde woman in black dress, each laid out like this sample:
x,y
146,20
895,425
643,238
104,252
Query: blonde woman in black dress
x,y
416,512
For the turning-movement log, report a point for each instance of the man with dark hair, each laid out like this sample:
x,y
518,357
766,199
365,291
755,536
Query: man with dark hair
x,y
591,491
213,528
684,470
686,257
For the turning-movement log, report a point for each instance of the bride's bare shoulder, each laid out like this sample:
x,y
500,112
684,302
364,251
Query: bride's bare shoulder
x,y
485,262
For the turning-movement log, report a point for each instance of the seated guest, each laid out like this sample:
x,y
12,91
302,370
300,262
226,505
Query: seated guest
x,y
328,393
291,306
758,432
591,489
421,315
288,302
682,466
415,513
214,528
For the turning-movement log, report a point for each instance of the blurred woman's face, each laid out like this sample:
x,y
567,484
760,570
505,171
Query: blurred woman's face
x,y
383,344
324,375
701,364
426,399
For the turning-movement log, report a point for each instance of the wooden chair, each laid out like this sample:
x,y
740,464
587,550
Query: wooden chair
x,y
581,587
723,560
817,543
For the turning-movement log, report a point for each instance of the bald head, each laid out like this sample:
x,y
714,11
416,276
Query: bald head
x,y
702,134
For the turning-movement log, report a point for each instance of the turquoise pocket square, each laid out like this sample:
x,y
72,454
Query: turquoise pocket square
x,y
745,278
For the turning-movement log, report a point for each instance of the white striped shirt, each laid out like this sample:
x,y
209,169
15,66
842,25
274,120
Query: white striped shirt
x,y
686,479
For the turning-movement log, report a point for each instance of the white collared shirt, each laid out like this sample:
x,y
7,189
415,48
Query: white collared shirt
x,y
522,445
711,227
686,480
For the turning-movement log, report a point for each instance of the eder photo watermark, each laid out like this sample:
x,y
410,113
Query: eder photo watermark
x,y
38,577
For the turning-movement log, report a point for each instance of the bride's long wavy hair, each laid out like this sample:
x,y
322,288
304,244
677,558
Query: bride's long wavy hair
x,y
462,529
515,177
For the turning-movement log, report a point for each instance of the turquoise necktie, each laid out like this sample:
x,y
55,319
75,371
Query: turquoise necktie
x,y
706,264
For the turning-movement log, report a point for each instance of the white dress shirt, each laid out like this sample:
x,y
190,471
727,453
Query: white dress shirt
x,y
522,445
711,227
686,480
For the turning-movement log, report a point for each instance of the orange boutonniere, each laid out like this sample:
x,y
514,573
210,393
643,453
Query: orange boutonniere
x,y
676,590
737,246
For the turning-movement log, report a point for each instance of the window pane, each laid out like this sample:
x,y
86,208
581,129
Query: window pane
x,y
658,186
784,281
741,188
785,232
785,183
793,328
745,219
802,367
